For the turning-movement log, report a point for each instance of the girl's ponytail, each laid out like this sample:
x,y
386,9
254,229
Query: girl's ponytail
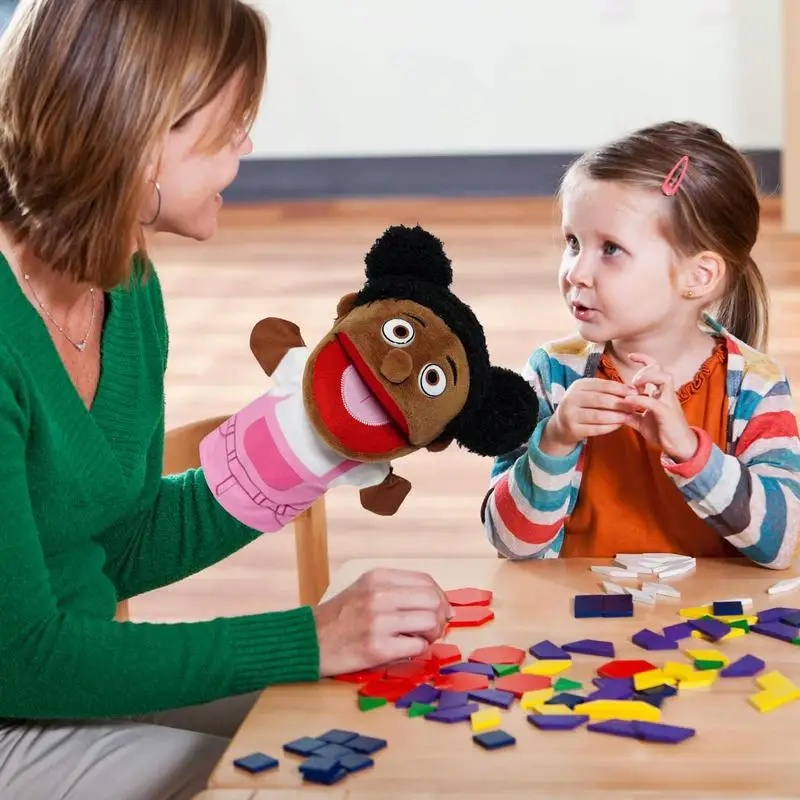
x,y
744,309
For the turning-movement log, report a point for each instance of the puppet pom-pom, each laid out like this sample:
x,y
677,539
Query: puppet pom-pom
x,y
506,418
403,252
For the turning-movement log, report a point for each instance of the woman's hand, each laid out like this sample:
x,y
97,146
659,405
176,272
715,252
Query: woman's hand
x,y
656,412
385,616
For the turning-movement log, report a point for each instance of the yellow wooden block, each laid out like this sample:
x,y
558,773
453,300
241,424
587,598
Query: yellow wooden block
x,y
552,709
629,710
708,655
552,667
678,670
485,719
651,678
733,633
531,700
776,683
701,679
696,613
768,701
739,618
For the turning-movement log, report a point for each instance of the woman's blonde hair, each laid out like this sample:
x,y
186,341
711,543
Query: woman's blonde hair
x,y
716,208
89,89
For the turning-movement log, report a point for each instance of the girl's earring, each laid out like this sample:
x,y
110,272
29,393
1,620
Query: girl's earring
x,y
688,293
158,200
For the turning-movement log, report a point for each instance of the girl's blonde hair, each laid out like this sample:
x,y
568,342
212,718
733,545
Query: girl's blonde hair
x,y
89,89
716,208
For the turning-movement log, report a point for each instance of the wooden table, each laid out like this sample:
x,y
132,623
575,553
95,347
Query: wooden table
x,y
737,752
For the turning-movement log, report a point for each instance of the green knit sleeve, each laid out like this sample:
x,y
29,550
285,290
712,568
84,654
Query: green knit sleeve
x,y
63,661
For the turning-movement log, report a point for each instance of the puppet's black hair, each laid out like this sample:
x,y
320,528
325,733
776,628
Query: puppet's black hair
x,y
501,408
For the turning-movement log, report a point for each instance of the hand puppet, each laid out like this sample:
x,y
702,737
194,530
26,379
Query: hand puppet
x,y
405,367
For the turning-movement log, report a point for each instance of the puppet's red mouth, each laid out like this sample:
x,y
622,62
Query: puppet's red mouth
x,y
352,403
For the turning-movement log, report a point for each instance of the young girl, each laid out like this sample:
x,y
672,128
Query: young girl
x,y
663,427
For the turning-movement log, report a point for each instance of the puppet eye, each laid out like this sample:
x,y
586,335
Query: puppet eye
x,y
398,332
432,380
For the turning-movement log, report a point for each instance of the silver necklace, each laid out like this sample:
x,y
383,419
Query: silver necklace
x,y
80,346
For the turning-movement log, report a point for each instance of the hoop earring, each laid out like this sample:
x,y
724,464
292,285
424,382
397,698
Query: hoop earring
x,y
158,207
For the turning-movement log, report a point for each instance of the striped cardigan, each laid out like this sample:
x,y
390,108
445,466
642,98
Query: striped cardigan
x,y
749,494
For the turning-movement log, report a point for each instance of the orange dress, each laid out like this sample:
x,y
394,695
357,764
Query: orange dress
x,y
627,503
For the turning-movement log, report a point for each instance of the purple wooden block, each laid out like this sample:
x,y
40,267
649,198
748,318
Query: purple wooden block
x,y
546,650
591,647
774,614
658,732
616,727
557,722
745,667
467,666
422,694
612,691
460,714
776,630
620,682
792,619
712,628
683,630
650,640
586,606
452,700
493,697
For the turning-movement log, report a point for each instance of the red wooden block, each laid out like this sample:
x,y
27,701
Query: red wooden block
x,y
470,616
520,683
415,670
624,669
361,677
502,654
441,654
462,682
389,690
468,597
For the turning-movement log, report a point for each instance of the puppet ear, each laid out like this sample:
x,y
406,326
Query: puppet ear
x,y
506,418
346,305
413,253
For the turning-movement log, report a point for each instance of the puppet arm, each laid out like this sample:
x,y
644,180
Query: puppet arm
x,y
280,350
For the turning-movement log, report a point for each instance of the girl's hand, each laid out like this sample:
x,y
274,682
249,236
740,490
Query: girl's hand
x,y
656,412
590,407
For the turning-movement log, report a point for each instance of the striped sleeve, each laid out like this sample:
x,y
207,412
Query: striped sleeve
x,y
531,493
751,498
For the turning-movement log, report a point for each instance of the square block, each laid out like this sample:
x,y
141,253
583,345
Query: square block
x,y
493,740
256,762
618,605
589,605
727,608
304,746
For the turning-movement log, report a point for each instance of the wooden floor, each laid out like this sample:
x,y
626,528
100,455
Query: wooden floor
x,y
295,261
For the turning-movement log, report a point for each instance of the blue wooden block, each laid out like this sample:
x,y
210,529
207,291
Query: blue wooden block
x,y
547,651
304,746
256,762
712,628
333,751
617,605
337,736
745,667
448,699
591,647
614,727
493,740
588,605
728,608
325,778
665,734
367,744
319,766
566,699
356,762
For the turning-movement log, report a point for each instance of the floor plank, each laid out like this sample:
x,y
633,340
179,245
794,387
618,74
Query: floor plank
x,y
295,261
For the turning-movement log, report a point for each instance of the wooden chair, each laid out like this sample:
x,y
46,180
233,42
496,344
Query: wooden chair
x,y
182,452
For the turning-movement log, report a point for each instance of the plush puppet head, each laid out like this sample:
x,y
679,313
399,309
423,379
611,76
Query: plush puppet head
x,y
405,365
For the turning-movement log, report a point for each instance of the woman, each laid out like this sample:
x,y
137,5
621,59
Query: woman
x,y
119,120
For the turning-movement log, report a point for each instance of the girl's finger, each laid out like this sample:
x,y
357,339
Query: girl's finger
x,y
641,402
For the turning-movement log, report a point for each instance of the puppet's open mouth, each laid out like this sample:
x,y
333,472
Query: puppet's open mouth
x,y
353,404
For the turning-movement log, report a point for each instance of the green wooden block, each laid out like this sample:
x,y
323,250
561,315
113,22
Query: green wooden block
x,y
701,665
565,685
420,709
741,623
796,641
368,703
501,670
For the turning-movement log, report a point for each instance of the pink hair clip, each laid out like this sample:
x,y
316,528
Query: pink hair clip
x,y
675,177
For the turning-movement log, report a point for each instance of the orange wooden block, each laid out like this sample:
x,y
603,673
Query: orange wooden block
x,y
461,682
470,616
389,690
442,654
624,669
